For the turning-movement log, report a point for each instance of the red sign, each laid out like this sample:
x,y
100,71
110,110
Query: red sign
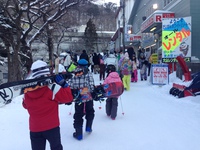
x,y
156,17
134,38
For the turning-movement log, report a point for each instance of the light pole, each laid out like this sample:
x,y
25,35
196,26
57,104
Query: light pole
x,y
123,37
119,35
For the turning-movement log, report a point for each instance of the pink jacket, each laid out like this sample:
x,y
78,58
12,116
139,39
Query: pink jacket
x,y
112,77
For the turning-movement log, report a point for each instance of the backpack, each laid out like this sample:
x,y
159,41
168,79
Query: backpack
x,y
72,67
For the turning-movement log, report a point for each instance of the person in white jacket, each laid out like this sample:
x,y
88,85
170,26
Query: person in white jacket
x,y
67,60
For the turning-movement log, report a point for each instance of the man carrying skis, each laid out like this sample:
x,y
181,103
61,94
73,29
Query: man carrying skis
x,y
41,103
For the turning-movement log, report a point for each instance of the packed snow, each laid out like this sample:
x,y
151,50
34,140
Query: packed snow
x,y
149,118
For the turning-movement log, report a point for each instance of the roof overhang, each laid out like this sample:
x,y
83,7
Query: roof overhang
x,y
115,36
154,22
131,38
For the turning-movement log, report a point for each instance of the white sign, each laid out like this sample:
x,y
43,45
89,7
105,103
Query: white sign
x,y
159,74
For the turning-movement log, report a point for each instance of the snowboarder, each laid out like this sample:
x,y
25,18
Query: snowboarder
x,y
82,79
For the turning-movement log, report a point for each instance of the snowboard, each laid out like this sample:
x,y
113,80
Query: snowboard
x,y
81,95
110,90
10,90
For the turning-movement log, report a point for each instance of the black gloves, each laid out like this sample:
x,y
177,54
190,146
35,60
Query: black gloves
x,y
94,96
76,95
98,93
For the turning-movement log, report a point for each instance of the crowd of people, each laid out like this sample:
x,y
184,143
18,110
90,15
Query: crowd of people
x,y
42,102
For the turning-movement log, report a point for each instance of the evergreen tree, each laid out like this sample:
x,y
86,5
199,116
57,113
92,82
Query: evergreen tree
x,y
90,36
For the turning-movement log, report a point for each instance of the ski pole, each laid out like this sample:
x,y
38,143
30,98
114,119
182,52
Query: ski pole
x,y
99,104
121,105
70,112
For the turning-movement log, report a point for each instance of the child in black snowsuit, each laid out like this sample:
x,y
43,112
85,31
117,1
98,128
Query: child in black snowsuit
x,y
112,103
82,79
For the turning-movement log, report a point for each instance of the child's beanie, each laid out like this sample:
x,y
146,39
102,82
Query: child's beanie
x,y
39,68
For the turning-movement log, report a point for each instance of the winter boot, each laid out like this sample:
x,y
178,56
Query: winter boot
x,y
88,127
78,134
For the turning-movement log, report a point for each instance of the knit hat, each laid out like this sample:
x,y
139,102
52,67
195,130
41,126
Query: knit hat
x,y
126,56
83,62
39,68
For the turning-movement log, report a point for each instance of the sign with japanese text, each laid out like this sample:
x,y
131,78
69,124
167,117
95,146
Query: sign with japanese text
x,y
128,32
160,74
132,37
176,39
154,58
156,17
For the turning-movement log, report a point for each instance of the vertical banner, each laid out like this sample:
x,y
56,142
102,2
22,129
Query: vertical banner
x,y
128,32
176,39
159,74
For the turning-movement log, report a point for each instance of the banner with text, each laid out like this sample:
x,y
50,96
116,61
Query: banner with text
x,y
160,74
176,39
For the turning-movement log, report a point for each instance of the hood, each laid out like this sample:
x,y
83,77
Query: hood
x,y
114,75
36,93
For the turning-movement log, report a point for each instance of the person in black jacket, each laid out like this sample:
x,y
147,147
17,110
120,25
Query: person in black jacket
x,y
96,62
131,52
84,55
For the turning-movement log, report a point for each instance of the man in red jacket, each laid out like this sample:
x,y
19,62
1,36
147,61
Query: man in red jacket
x,y
42,105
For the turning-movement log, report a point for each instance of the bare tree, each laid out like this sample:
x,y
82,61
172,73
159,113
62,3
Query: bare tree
x,y
30,18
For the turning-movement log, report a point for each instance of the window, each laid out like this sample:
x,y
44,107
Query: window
x,y
166,2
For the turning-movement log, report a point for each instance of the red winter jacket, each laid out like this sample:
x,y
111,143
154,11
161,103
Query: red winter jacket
x,y
42,107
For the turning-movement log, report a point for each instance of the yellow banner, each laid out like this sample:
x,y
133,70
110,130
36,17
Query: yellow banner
x,y
172,39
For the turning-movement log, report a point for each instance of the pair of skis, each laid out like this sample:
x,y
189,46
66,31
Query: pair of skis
x,y
10,90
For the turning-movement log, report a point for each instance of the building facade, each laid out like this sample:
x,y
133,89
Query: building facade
x,y
146,20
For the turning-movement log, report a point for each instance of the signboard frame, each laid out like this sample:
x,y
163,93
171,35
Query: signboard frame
x,y
160,74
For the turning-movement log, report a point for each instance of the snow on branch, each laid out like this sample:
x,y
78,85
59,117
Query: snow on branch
x,y
61,7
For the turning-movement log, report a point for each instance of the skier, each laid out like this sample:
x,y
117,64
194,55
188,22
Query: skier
x,y
41,103
112,103
82,79
134,76
126,70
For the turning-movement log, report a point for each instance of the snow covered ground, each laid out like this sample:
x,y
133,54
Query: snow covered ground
x,y
148,119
